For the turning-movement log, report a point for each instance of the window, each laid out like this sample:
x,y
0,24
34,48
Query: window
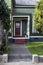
x,y
17,25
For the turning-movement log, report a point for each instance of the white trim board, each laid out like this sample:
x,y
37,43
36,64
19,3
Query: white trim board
x,y
20,16
19,37
26,37
36,36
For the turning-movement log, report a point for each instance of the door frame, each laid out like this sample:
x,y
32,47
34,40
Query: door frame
x,y
20,28
28,24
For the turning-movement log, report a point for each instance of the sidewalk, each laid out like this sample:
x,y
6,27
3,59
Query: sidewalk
x,y
19,52
21,63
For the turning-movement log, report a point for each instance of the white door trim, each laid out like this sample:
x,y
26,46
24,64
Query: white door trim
x,y
14,28
28,16
21,29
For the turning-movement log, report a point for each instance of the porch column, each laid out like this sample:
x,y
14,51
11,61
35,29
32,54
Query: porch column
x,y
28,27
14,29
21,29
12,26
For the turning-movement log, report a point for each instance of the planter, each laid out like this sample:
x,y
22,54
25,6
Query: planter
x,y
0,58
35,58
5,58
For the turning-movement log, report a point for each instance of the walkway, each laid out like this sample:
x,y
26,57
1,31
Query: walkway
x,y
21,63
19,52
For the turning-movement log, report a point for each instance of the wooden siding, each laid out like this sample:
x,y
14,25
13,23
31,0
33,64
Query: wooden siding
x,y
23,10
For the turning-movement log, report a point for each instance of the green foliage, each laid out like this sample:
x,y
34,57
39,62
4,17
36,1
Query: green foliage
x,y
38,17
4,48
4,15
5,20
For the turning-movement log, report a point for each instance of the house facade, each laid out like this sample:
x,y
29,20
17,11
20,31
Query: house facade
x,y
22,23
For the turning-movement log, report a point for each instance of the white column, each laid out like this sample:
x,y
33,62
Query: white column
x,y
21,29
10,16
28,27
12,26
33,29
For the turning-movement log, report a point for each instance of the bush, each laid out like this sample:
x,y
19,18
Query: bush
x,y
4,49
9,34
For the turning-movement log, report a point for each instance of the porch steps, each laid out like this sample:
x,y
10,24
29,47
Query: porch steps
x,y
20,41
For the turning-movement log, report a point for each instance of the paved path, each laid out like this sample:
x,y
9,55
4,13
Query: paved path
x,y
21,63
19,52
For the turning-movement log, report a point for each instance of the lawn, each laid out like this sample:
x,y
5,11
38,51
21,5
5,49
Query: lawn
x,y
35,47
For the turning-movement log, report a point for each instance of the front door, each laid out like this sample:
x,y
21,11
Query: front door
x,y
17,28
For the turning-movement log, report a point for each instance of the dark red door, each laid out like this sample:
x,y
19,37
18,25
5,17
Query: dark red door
x,y
17,28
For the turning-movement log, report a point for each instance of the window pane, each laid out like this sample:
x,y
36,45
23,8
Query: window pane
x,y
17,25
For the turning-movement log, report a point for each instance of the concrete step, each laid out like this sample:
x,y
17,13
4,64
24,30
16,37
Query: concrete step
x,y
20,56
19,60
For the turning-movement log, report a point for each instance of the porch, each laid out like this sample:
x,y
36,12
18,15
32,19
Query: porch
x,y
18,40
21,26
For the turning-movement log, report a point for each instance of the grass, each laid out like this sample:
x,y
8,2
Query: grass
x,y
35,47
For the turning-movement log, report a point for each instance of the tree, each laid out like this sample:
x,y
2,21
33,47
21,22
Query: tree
x,y
38,17
4,19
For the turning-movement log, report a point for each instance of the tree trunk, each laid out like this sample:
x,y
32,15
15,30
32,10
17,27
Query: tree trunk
x,y
1,32
6,38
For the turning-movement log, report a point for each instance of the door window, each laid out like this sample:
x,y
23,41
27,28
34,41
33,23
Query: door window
x,y
17,25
